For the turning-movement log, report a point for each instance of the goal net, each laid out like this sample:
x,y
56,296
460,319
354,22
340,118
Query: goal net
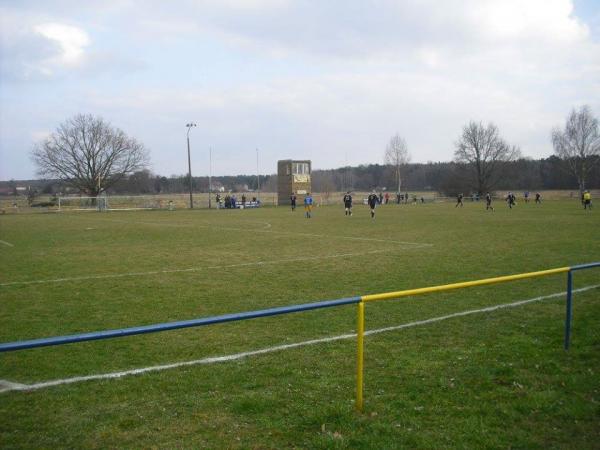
x,y
111,203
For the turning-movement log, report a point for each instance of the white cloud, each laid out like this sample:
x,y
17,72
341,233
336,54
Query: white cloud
x,y
35,47
540,20
71,42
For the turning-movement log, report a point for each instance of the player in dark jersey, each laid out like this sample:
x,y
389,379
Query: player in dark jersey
x,y
510,199
538,198
348,203
372,201
488,202
293,201
459,201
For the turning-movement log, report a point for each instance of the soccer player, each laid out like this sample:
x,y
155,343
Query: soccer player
x,y
488,202
538,198
459,201
372,201
348,203
587,200
293,201
308,203
510,199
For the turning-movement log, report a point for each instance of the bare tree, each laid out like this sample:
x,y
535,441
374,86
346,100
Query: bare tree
x,y
88,153
484,152
579,144
397,155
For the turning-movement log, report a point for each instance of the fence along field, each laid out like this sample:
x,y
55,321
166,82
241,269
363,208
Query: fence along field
x,y
210,266
51,203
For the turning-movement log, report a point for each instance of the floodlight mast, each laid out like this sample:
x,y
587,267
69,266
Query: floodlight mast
x,y
209,176
257,178
189,127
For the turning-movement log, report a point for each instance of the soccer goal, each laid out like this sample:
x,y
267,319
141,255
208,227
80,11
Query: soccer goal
x,y
111,203
81,203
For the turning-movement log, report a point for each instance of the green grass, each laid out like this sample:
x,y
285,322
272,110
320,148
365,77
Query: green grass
x,y
490,380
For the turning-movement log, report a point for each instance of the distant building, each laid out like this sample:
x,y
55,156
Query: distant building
x,y
292,176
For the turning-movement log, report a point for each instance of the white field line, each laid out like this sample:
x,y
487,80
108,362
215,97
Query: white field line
x,y
413,245
6,386
194,269
8,244
283,233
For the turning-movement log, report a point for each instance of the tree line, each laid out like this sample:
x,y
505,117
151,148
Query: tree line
x,y
89,156
452,178
445,178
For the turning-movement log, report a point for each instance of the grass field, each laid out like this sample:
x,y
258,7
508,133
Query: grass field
x,y
496,379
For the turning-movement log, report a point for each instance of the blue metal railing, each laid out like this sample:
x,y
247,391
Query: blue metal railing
x,y
107,334
569,305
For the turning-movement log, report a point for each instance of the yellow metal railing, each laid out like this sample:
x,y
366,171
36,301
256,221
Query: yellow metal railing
x,y
360,329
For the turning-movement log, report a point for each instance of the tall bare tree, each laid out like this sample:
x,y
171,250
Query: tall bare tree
x,y
88,153
484,153
579,144
397,155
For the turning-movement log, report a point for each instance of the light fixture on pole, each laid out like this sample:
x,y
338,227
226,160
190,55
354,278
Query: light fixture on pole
x,y
189,127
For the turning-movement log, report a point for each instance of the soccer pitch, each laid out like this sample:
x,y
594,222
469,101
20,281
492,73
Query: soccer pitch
x,y
487,379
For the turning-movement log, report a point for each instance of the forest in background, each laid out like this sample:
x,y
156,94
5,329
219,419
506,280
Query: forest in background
x,y
445,178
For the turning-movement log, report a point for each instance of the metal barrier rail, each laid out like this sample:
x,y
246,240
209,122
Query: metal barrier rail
x,y
569,306
93,336
360,328
447,287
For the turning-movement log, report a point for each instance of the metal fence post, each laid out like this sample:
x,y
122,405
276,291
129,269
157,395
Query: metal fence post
x,y
569,309
360,338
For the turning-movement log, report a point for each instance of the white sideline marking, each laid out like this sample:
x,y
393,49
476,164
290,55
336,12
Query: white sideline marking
x,y
6,243
194,269
6,386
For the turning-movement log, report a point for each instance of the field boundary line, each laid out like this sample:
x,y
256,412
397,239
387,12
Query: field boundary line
x,y
196,269
7,243
6,386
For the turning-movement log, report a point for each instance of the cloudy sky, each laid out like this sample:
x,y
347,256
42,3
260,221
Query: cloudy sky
x,y
329,81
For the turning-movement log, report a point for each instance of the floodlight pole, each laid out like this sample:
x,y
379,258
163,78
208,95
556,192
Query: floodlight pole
x,y
257,177
189,127
209,176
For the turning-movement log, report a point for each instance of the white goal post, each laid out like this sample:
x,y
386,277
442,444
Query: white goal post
x,y
113,203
